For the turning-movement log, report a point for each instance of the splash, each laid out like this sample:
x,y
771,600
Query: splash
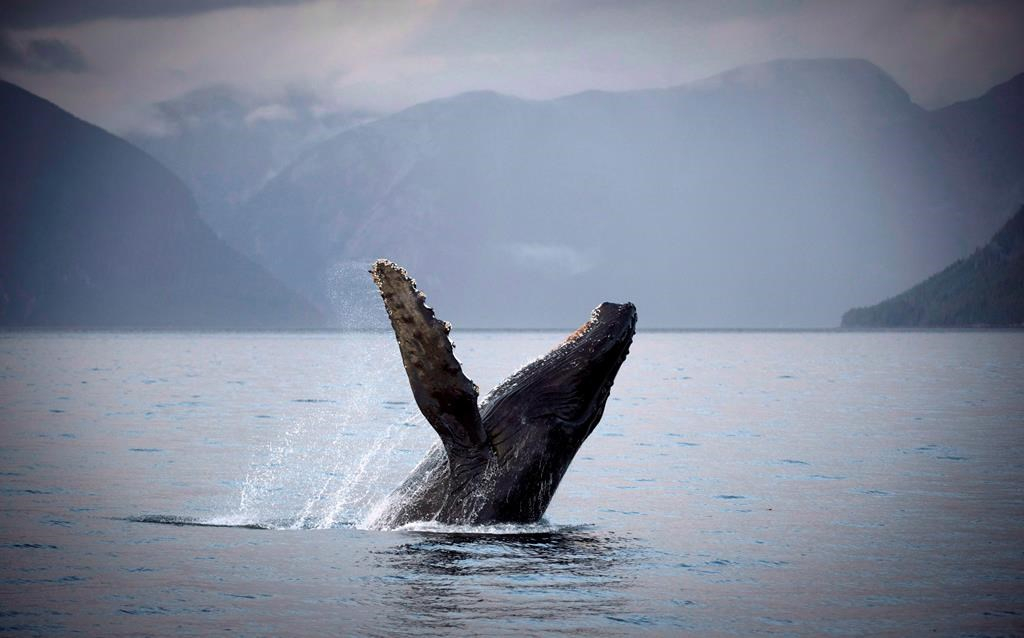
x,y
354,298
320,486
337,462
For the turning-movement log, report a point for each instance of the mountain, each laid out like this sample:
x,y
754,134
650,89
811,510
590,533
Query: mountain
x,y
986,137
775,195
225,144
985,289
94,232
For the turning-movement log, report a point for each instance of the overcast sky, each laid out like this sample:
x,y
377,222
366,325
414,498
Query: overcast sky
x,y
108,61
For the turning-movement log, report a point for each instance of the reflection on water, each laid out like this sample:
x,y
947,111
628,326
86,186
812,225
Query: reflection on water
x,y
570,580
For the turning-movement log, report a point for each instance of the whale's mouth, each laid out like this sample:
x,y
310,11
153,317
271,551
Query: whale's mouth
x,y
610,315
587,326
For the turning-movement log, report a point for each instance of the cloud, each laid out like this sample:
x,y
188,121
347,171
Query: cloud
x,y
10,55
334,51
56,55
269,113
47,55
32,14
555,259
385,55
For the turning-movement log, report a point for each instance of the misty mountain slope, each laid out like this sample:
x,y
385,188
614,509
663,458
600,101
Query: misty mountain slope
x,y
773,195
985,289
94,232
225,144
986,135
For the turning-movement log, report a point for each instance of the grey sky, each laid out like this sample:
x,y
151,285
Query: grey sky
x,y
108,61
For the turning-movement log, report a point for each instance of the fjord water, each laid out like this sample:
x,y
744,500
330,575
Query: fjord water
x,y
738,484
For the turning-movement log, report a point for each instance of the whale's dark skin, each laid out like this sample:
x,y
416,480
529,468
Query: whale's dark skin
x,y
501,461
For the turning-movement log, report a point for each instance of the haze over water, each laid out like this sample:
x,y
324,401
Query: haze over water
x,y
739,484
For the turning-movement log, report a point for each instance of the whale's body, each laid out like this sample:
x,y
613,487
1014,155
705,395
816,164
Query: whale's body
x,y
499,461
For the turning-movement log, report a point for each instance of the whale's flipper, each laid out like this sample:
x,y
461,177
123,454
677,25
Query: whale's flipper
x,y
442,391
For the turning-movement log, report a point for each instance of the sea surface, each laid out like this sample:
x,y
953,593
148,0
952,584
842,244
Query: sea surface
x,y
740,484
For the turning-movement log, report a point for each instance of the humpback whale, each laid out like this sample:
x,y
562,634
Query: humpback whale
x,y
501,460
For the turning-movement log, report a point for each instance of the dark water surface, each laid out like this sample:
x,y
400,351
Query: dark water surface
x,y
740,484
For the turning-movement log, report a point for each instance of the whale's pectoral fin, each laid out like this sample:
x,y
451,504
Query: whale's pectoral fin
x,y
443,392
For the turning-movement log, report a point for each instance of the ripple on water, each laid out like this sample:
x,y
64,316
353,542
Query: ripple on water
x,y
190,521
671,557
509,529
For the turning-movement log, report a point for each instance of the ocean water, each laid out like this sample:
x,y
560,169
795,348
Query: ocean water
x,y
793,484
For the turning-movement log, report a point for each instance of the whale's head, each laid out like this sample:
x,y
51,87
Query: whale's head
x,y
577,376
565,390
543,413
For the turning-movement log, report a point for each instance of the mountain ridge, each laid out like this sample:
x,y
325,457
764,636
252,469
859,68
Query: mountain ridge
x,y
489,193
772,195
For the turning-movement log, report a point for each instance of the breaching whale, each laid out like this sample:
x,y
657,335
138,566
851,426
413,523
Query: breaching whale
x,y
499,461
